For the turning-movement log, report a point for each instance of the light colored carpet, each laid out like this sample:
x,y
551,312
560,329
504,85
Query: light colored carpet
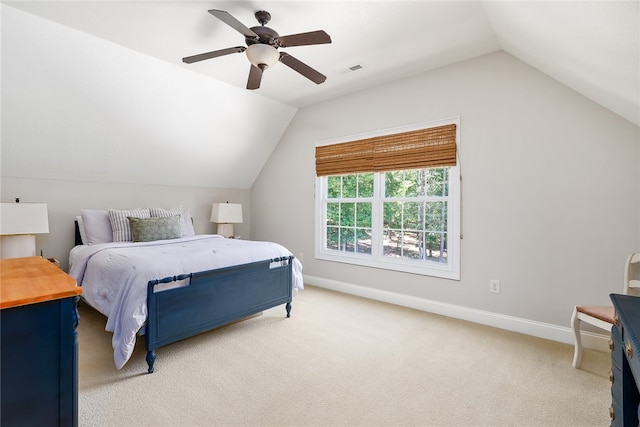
x,y
343,361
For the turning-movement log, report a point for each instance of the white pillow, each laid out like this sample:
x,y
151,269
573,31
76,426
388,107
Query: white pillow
x,y
97,226
187,223
120,222
185,218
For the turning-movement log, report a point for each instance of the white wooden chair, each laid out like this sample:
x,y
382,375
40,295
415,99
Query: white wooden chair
x,y
602,316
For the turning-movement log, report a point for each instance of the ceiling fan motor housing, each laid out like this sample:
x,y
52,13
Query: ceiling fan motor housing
x,y
266,35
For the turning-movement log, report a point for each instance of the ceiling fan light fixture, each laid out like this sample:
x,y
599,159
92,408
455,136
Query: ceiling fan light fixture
x,y
262,55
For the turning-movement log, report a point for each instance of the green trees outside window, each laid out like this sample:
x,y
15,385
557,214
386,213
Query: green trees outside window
x,y
349,212
415,214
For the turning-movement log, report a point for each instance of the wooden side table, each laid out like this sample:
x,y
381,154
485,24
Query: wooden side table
x,y
39,344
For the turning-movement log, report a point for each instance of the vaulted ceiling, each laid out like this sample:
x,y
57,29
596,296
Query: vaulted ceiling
x,y
592,47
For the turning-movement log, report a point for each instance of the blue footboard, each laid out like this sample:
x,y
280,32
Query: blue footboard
x,y
214,298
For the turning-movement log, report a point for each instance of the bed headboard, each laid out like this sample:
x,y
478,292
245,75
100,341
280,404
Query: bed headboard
x,y
78,239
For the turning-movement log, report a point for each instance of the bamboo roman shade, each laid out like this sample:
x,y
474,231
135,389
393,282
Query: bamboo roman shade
x,y
423,148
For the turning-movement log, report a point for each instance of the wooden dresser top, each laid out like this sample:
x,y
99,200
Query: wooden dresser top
x,y
31,280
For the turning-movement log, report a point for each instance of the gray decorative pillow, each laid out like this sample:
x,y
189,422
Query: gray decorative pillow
x,y
150,229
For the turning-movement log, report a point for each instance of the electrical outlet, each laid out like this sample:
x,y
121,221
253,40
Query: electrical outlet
x,y
494,286
300,256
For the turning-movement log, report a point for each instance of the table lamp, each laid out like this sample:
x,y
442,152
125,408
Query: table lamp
x,y
226,214
19,224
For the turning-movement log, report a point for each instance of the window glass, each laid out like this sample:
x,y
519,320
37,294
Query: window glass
x,y
399,217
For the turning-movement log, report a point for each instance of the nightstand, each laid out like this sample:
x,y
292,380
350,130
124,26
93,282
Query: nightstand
x,y
39,344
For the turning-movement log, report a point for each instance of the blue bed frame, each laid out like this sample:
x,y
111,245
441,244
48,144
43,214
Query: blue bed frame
x,y
214,298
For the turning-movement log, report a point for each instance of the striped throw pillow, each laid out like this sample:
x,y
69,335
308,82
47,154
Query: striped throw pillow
x,y
120,222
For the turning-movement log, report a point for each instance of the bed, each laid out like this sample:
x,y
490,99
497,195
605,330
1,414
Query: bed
x,y
172,289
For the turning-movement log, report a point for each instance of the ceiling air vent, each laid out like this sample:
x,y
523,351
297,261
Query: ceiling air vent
x,y
351,69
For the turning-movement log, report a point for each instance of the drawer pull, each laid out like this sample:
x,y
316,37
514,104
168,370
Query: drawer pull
x,y
611,376
629,349
616,319
612,413
611,344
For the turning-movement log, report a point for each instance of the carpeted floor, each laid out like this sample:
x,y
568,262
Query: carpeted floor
x,y
343,361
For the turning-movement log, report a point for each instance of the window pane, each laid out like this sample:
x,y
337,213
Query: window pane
x,y
350,186
437,182
334,184
333,213
364,241
363,218
413,216
347,214
410,245
436,247
436,216
332,238
393,184
405,222
391,243
411,184
392,215
365,185
347,240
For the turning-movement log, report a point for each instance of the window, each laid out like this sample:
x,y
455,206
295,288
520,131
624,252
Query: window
x,y
403,219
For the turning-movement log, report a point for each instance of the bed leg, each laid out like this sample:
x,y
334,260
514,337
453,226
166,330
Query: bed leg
x,y
151,358
288,307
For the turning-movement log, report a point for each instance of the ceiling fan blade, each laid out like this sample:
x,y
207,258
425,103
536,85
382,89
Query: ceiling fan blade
x,y
228,19
255,76
303,39
302,68
214,54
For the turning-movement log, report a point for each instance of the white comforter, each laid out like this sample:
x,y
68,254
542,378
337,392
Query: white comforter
x,y
114,276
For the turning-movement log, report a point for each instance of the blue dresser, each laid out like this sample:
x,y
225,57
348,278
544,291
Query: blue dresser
x,y
625,361
39,344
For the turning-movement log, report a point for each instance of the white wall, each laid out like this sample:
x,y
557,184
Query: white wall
x,y
65,199
550,195
76,107
90,124
551,187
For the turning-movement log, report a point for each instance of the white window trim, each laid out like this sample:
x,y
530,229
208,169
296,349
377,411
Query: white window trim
x,y
451,270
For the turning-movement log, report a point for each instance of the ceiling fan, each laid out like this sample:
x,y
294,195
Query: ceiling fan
x,y
262,44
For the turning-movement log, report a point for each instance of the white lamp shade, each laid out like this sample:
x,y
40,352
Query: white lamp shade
x,y
23,218
226,213
262,54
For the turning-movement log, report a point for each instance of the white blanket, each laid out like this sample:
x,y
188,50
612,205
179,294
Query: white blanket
x,y
114,276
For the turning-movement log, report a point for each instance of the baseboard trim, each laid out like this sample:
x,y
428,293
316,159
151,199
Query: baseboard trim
x,y
510,323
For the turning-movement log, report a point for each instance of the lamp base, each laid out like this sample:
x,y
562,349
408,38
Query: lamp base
x,y
17,246
225,230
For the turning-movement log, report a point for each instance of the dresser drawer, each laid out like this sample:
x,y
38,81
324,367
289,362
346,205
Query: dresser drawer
x,y
615,344
630,353
617,390
38,365
625,365
615,412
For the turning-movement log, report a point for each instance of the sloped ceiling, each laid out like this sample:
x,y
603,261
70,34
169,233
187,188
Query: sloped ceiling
x,y
78,108
592,47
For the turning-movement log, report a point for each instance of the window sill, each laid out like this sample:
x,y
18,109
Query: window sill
x,y
429,269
